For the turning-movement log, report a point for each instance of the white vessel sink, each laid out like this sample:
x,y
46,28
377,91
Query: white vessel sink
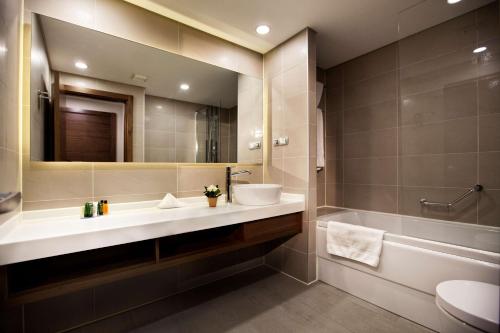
x,y
257,194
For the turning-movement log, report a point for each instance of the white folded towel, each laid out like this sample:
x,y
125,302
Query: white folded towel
x,y
354,242
169,201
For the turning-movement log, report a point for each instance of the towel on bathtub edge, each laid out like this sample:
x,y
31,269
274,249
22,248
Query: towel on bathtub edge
x,y
354,242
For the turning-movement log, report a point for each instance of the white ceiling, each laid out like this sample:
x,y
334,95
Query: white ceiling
x,y
115,59
346,28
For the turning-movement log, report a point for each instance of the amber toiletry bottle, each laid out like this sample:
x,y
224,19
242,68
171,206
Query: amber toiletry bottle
x,y
105,207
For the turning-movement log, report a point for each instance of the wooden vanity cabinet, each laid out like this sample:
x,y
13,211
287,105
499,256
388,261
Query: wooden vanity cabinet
x,y
34,280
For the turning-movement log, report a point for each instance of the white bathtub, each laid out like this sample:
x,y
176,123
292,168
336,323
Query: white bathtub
x,y
417,254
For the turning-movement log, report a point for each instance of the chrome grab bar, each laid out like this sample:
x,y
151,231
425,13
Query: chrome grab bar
x,y
9,201
475,188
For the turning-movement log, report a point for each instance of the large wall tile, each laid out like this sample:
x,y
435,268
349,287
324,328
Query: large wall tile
x,y
10,177
56,181
377,62
454,136
296,172
295,263
303,242
370,144
489,95
376,170
81,12
334,195
334,123
294,52
377,89
334,98
489,208
443,38
335,77
321,192
454,101
295,81
489,132
334,172
333,147
438,73
111,182
489,170
204,47
376,116
440,170
192,178
371,197
487,21
134,23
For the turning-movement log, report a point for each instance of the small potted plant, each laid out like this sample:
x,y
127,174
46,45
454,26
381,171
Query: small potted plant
x,y
212,193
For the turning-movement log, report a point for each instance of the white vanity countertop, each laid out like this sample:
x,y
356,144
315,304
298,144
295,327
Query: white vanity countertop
x,y
45,233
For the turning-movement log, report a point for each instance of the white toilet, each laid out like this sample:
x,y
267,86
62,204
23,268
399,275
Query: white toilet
x,y
468,306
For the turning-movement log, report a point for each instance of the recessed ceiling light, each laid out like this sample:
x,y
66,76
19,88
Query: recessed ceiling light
x,y
159,107
184,86
3,49
451,2
263,29
81,65
480,49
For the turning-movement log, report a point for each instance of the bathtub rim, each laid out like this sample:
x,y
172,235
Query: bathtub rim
x,y
432,245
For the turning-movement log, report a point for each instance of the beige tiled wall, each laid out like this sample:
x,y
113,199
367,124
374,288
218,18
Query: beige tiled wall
x,y
249,118
290,83
10,37
419,118
62,184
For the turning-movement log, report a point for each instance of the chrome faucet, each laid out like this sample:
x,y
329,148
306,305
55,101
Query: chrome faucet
x,y
229,175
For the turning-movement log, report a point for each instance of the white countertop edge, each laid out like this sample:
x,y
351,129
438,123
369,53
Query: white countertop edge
x,y
17,245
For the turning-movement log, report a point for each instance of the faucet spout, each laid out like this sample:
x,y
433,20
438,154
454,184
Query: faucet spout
x,y
229,175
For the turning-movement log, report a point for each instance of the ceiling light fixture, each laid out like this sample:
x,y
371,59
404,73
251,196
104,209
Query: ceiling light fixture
x,y
159,107
451,2
480,49
184,86
263,29
81,65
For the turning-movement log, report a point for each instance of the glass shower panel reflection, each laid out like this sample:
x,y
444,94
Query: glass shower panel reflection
x,y
207,131
216,134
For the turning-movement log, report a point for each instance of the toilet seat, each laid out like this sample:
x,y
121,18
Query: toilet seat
x,y
474,303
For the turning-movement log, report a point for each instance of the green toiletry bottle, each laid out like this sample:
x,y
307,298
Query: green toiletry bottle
x,y
88,210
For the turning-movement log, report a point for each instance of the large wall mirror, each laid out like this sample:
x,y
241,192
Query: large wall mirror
x,y
100,98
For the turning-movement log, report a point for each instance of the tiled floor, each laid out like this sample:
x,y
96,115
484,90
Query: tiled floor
x,y
262,300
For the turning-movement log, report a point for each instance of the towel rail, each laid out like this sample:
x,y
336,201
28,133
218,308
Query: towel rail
x,y
475,188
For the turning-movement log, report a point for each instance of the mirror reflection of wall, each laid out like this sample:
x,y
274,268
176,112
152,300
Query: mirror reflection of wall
x,y
95,97
179,131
